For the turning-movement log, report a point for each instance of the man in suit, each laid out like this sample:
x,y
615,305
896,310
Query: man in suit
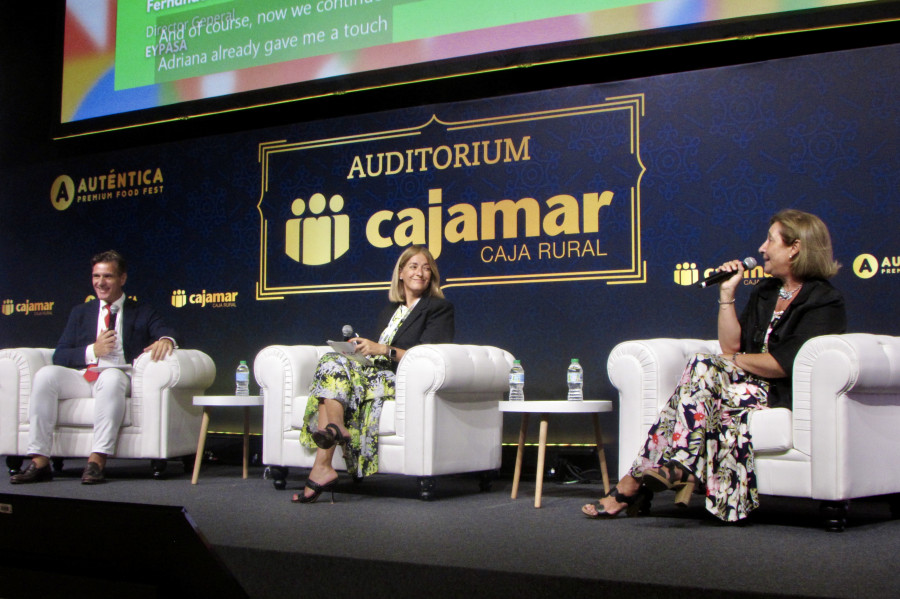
x,y
110,332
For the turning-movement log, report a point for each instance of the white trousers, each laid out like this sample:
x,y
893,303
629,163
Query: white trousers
x,y
53,384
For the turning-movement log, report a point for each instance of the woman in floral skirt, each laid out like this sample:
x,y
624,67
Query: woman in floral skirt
x,y
346,395
702,434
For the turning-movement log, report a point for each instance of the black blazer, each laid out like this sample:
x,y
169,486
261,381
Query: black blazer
x,y
430,321
142,325
817,310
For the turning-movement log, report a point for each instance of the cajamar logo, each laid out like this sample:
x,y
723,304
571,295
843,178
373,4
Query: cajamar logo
x,y
28,307
204,299
687,273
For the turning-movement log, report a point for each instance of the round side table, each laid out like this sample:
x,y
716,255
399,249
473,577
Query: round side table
x,y
233,401
545,408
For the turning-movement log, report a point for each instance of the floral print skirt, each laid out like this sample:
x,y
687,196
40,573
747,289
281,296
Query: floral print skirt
x,y
705,428
362,390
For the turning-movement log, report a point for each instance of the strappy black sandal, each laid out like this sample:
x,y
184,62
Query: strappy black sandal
x,y
317,490
633,504
329,437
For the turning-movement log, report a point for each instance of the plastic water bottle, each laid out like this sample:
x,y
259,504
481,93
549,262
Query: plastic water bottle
x,y
517,382
575,379
242,379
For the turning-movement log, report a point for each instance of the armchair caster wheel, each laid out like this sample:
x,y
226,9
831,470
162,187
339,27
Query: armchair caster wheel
x,y
426,488
278,474
834,514
486,480
57,464
159,467
188,462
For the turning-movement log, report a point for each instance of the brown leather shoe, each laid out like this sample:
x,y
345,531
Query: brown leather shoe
x,y
93,474
32,474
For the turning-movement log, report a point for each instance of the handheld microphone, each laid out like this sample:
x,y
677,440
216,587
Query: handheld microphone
x,y
721,275
113,313
348,332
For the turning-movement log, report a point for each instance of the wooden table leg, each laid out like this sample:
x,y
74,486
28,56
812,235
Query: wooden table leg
x,y
201,445
520,454
542,450
246,439
601,453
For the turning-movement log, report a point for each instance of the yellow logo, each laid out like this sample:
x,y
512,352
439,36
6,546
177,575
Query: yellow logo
x,y
212,299
179,298
27,307
316,240
865,266
686,273
62,192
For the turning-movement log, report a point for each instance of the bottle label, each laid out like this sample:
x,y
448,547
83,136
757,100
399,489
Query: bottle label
x,y
242,377
516,378
574,377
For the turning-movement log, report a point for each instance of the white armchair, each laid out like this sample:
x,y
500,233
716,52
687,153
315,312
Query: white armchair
x,y
444,420
160,421
840,441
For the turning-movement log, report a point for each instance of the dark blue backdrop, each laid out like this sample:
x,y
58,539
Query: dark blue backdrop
x,y
696,163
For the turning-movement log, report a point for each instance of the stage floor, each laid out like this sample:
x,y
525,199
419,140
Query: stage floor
x,y
379,540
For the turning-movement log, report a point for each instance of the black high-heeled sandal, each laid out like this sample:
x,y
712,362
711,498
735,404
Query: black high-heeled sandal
x,y
633,504
330,436
317,490
681,484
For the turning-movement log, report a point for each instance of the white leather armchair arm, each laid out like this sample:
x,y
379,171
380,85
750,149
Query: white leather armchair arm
x,y
446,407
847,413
283,372
17,369
646,373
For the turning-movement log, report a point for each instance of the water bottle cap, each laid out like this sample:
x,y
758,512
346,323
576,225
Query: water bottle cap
x,y
244,362
574,360
517,361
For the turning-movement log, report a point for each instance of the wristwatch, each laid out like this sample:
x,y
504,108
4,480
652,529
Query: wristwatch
x,y
392,353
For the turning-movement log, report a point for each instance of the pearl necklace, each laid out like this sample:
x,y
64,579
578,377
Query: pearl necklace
x,y
786,295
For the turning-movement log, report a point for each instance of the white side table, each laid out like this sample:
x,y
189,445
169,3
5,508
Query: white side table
x,y
545,408
233,401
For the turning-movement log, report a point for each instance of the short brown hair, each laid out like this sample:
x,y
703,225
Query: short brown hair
x,y
397,293
815,259
111,256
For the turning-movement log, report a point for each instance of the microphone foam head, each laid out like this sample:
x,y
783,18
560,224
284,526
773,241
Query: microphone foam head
x,y
749,262
348,331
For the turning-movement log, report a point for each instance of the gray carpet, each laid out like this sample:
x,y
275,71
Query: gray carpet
x,y
379,540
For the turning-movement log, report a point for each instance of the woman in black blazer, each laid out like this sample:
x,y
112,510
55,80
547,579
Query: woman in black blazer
x,y
346,396
702,435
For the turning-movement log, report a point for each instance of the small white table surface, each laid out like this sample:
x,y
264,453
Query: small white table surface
x,y
545,408
234,401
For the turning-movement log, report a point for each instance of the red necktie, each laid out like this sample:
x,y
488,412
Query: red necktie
x,y
89,374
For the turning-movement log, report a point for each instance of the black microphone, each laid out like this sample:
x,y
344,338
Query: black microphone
x,y
723,275
348,332
113,313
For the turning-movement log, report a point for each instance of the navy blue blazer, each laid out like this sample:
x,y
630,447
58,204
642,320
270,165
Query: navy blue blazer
x,y
142,325
430,321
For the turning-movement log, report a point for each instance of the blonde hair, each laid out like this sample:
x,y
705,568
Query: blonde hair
x,y
397,292
815,258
